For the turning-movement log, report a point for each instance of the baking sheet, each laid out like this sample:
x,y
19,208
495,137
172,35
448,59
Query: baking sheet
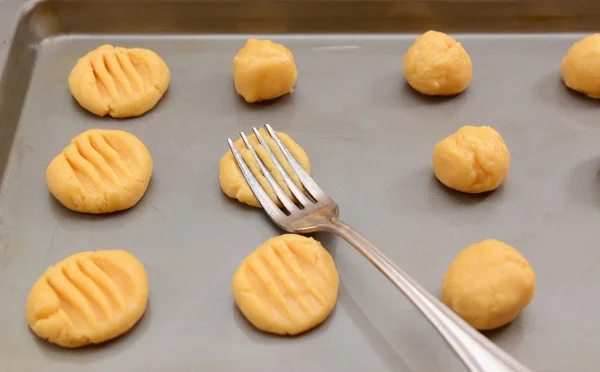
x,y
369,138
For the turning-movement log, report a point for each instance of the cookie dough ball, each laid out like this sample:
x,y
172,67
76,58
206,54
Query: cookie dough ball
x,y
119,82
488,284
287,286
580,67
264,70
234,184
100,171
472,160
437,65
88,298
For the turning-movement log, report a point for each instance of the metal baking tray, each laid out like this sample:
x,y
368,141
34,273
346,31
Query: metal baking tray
x,y
369,138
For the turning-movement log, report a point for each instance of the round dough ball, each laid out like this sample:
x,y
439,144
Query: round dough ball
x,y
472,160
264,70
287,286
437,65
100,171
88,298
234,184
119,82
488,284
580,67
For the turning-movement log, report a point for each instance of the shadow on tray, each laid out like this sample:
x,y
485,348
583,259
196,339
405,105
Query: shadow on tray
x,y
513,330
584,184
407,91
65,214
552,89
461,197
91,353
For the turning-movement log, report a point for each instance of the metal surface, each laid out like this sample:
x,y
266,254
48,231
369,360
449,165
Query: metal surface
x,y
477,352
366,133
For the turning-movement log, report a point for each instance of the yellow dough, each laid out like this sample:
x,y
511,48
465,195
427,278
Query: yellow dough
x,y
100,171
233,182
488,284
580,67
88,298
119,82
287,286
437,65
472,160
264,70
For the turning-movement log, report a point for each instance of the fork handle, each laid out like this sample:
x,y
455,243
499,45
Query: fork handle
x,y
477,352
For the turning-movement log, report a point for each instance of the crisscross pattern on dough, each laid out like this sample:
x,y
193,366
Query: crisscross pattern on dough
x,y
233,182
100,171
119,82
287,285
87,298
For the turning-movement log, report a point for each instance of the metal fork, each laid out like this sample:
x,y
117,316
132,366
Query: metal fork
x,y
318,212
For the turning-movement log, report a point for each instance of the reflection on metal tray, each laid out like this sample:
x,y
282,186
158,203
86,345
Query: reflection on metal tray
x,y
365,132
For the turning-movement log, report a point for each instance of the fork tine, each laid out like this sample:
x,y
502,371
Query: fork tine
x,y
263,198
305,179
285,200
288,180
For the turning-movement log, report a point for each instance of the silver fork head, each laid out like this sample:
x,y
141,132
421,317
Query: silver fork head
x,y
309,210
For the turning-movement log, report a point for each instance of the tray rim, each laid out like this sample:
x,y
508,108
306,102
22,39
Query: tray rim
x,y
36,21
